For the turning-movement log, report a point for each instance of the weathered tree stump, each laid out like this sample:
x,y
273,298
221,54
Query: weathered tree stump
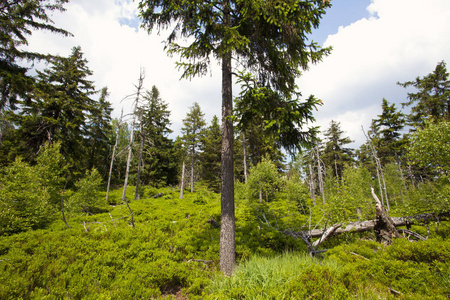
x,y
384,227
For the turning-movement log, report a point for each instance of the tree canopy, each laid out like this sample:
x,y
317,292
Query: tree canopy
x,y
17,20
432,99
268,38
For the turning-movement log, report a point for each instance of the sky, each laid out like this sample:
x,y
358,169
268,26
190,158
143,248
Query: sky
x,y
376,43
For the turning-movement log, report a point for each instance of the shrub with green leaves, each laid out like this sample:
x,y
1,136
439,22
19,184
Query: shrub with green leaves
x,y
86,197
30,195
427,197
24,201
52,170
430,147
264,180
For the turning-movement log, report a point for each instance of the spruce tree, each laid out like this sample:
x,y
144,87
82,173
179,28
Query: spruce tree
x,y
389,123
58,109
269,38
335,155
272,121
210,157
432,99
159,158
192,133
17,21
98,137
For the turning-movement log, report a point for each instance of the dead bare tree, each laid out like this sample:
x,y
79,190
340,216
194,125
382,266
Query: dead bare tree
x,y
320,175
380,175
369,225
113,156
384,227
139,88
312,186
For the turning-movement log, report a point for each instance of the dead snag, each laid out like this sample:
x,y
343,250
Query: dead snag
x,y
384,226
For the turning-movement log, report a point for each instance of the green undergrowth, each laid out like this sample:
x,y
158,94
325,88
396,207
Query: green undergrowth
x,y
173,248
360,270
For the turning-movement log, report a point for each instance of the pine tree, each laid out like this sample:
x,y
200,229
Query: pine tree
x,y
210,157
159,158
192,133
335,155
432,100
389,124
58,109
272,121
269,38
98,134
259,144
17,20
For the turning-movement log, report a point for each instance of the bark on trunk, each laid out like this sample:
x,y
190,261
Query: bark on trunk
x,y
182,181
192,168
138,175
227,228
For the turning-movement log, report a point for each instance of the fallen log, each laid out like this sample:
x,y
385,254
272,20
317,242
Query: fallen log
x,y
370,224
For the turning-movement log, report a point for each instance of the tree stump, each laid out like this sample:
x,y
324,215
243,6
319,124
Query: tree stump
x,y
384,227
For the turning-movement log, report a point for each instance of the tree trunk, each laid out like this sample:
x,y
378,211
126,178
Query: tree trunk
x,y
245,157
192,168
182,181
227,228
138,175
320,176
113,156
336,173
380,176
130,146
127,170
312,185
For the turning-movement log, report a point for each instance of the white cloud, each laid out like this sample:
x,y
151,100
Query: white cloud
x,y
401,40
